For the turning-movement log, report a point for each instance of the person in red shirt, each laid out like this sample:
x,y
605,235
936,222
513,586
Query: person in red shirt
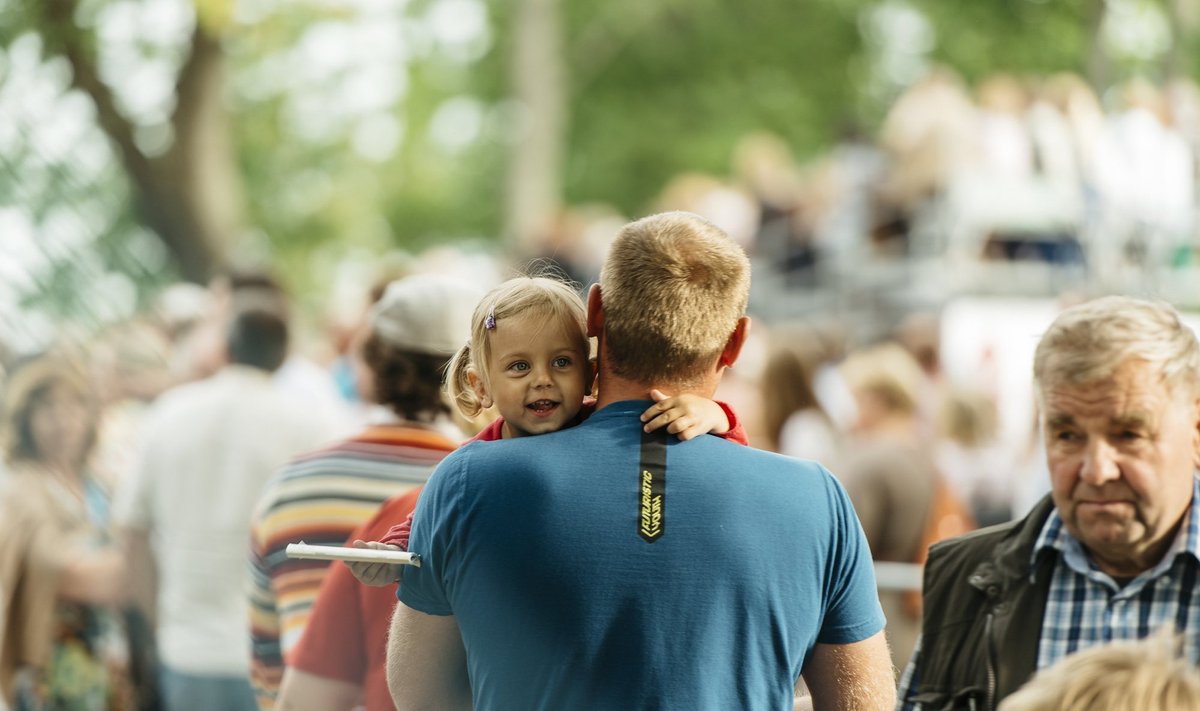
x,y
339,662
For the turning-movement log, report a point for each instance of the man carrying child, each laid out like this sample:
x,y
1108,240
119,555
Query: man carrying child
x,y
603,567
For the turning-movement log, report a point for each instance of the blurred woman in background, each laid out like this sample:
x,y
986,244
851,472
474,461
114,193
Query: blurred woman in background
x,y
63,648
793,416
892,479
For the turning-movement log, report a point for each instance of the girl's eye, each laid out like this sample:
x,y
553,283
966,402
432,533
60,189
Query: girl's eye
x,y
520,366
562,362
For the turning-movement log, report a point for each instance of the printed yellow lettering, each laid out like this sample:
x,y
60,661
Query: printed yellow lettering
x,y
651,509
647,480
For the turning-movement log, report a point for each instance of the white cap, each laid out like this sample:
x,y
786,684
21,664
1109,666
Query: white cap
x,y
426,313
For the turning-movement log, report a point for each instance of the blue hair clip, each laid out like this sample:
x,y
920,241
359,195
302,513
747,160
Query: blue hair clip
x,y
489,322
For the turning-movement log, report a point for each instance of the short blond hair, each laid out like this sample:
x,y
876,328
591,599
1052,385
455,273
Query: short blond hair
x,y
673,288
1088,342
967,416
552,298
887,371
1147,675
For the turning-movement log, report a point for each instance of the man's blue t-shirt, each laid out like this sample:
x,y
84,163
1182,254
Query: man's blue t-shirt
x,y
584,574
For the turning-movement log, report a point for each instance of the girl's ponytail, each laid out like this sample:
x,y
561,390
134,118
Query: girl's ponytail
x,y
458,385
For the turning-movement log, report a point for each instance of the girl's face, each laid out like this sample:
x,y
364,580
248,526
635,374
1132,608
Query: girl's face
x,y
537,374
60,424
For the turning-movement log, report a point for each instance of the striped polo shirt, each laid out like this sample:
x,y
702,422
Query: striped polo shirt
x,y
320,498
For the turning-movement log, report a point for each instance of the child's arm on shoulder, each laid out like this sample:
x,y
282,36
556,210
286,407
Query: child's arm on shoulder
x,y
688,416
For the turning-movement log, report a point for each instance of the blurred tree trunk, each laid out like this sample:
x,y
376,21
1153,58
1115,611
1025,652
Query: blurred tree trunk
x,y
1183,17
534,190
1099,69
191,194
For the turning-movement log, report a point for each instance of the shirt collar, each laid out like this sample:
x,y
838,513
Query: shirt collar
x,y
1055,537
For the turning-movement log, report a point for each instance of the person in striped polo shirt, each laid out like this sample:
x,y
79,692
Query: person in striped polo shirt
x,y
1113,552
320,498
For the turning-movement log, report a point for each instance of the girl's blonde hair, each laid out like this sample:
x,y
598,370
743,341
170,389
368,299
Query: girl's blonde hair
x,y
550,297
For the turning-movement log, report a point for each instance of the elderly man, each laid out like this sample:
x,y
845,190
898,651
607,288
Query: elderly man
x,y
1112,552
600,567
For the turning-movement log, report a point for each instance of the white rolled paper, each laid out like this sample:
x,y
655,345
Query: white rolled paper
x,y
356,555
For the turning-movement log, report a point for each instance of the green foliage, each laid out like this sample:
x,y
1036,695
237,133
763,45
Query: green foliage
x,y
657,88
675,89
1016,36
66,197
305,193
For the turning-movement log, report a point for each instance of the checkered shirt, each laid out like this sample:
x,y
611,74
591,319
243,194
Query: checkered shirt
x,y
1086,607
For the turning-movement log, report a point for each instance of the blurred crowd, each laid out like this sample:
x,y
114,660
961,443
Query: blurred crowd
x,y
1027,169
86,425
1011,170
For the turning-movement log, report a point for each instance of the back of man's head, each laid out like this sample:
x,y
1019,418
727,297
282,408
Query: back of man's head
x,y
258,338
1088,342
673,288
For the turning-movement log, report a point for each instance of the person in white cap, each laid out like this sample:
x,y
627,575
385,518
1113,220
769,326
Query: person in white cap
x,y
319,498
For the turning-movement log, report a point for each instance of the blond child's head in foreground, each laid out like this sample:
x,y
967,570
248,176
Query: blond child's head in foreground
x,y
528,355
1147,675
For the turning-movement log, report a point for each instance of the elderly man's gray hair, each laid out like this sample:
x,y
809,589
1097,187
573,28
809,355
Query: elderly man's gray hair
x,y
1088,342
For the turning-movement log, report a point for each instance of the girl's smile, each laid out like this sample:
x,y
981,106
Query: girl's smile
x,y
543,408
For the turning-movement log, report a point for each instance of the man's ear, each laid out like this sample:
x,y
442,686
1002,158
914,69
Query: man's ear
x,y
476,383
595,311
733,346
592,382
1196,433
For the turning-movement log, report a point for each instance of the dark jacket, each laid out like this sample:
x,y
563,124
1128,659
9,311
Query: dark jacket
x,y
984,605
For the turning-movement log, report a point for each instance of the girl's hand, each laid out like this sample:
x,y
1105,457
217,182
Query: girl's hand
x,y
376,574
685,416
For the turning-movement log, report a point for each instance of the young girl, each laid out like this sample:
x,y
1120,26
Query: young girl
x,y
529,357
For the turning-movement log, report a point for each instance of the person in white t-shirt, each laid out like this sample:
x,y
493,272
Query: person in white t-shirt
x,y
208,448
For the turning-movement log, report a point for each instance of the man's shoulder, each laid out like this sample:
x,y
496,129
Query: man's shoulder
x,y
978,545
208,396
481,456
725,450
1007,545
182,396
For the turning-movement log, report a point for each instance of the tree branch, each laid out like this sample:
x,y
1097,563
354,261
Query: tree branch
x,y
162,184
62,36
189,85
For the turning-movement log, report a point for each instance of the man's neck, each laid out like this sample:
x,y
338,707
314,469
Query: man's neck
x,y
1138,562
616,389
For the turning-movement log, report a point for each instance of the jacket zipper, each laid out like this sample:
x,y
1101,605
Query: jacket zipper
x,y
991,663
